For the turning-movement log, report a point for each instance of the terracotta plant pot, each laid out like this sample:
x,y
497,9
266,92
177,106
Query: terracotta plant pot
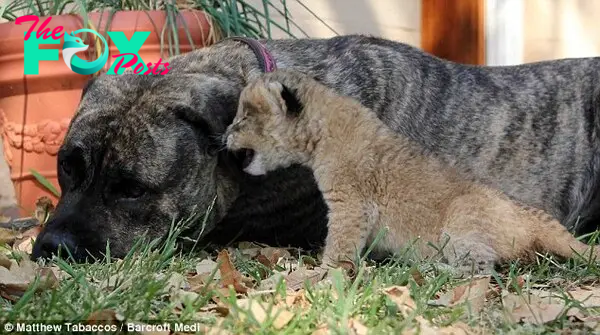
x,y
35,110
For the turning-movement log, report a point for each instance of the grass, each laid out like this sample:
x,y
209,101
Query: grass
x,y
143,287
140,288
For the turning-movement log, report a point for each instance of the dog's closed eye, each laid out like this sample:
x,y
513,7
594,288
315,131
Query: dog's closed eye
x,y
127,188
72,167
65,167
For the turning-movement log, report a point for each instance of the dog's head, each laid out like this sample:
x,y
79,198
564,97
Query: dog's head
x,y
142,152
271,126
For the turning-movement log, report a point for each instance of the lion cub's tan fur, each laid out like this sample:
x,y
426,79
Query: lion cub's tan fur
x,y
372,178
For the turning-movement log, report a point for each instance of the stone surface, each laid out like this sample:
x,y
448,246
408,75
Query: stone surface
x,y
8,202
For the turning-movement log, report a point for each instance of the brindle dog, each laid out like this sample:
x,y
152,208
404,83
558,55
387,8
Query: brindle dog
x,y
143,151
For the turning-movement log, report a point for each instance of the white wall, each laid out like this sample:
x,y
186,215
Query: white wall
x,y
398,20
561,29
524,31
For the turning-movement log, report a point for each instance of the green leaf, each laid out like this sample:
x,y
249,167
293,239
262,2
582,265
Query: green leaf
x,y
42,180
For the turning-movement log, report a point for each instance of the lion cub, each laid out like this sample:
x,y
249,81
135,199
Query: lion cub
x,y
372,178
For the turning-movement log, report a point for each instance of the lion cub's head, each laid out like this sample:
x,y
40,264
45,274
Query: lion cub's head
x,y
269,126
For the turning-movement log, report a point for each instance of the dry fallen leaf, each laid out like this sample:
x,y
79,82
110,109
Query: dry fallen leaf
x,y
221,309
249,249
587,296
426,328
321,330
24,242
223,293
105,317
457,328
592,322
542,306
270,282
262,259
4,261
296,279
199,282
297,299
8,235
557,281
13,284
176,282
49,276
417,276
280,316
273,255
473,293
43,209
229,274
182,298
400,295
206,267
356,328
14,281
532,308
3,218
5,250
520,281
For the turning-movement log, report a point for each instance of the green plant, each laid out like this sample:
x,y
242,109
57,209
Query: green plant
x,y
229,17
45,183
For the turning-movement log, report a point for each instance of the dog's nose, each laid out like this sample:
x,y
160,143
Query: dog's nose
x,y
50,243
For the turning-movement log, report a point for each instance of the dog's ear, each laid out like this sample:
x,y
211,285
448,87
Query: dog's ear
x,y
208,130
292,101
210,109
191,116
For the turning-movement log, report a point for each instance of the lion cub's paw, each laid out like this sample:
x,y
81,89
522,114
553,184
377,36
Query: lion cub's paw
x,y
348,267
341,269
472,267
462,270
333,275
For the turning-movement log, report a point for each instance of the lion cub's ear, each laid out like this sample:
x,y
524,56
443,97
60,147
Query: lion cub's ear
x,y
293,105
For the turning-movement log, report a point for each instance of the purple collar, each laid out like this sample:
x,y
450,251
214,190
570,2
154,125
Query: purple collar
x,y
265,59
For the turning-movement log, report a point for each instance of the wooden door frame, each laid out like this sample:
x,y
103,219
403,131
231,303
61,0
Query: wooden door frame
x,y
454,30
494,30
